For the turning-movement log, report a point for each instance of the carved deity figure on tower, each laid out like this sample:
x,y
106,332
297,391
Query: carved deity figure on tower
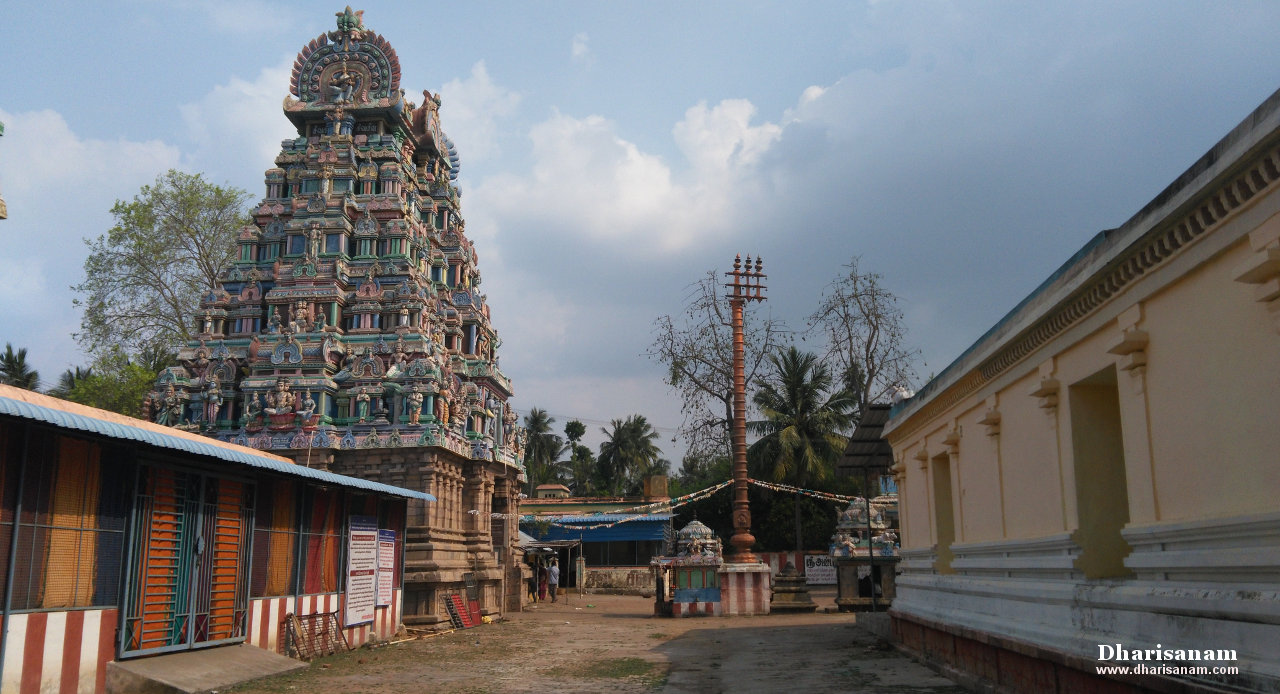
x,y
252,407
307,408
313,242
170,411
280,401
415,405
362,404
343,85
301,317
212,401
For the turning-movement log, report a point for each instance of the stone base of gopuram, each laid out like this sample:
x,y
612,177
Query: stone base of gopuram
x,y
744,589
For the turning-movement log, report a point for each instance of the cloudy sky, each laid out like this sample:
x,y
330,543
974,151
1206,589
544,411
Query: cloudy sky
x,y
612,153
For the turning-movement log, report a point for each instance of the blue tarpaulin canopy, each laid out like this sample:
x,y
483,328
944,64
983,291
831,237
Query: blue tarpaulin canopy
x,y
618,528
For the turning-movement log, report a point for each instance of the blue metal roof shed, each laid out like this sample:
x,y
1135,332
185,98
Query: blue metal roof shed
x,y
25,404
620,527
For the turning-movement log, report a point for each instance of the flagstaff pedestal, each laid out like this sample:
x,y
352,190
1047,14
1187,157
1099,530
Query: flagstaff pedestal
x,y
744,589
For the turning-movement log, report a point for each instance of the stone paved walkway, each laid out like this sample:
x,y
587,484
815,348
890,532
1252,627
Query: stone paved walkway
x,y
606,643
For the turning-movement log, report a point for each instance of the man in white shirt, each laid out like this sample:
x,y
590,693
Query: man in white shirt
x,y
553,579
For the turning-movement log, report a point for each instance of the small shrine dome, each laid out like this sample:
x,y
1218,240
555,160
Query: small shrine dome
x,y
696,539
695,529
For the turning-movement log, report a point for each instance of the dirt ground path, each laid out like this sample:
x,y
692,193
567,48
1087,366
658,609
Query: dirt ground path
x,y
608,643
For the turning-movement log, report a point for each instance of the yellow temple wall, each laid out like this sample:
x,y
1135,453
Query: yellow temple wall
x,y
1102,466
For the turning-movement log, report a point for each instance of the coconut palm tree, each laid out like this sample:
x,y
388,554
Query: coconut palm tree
x,y
805,413
15,371
68,381
628,454
542,452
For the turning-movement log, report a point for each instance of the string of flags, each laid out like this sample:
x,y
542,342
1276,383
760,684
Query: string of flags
x,y
642,511
645,510
827,496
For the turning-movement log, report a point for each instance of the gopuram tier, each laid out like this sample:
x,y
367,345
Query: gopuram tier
x,y
350,333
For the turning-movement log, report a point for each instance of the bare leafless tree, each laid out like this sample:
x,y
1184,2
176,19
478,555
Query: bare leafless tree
x,y
697,349
863,327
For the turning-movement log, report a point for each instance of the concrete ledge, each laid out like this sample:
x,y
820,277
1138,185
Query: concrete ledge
x,y
876,623
196,672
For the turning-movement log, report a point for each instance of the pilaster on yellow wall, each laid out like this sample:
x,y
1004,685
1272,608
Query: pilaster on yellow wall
x,y
1048,392
1129,343
899,472
951,443
921,457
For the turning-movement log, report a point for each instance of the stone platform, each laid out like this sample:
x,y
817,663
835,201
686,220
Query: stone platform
x,y
190,672
745,589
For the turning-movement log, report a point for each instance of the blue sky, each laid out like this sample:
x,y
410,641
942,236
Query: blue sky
x,y
614,152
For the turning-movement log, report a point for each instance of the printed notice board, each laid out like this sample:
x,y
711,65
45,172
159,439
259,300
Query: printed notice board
x,y
386,566
362,569
819,570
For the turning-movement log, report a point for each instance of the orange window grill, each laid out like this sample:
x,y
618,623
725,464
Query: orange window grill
x,y
188,566
70,532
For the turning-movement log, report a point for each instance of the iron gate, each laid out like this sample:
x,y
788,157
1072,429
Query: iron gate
x,y
188,565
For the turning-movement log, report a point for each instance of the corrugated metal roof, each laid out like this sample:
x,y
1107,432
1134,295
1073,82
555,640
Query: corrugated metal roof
x,y
16,402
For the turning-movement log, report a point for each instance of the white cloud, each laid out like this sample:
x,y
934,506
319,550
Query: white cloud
x,y
470,110
589,183
42,159
237,126
580,49
59,187
721,140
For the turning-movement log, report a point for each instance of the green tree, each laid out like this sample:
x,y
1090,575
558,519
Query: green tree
x,y
144,278
582,462
14,370
68,381
542,452
804,417
574,431
628,455
116,383
698,472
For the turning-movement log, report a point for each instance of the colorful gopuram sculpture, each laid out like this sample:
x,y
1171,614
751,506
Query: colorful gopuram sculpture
x,y
350,334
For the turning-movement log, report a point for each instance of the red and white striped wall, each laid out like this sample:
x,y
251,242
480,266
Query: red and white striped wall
x,y
695,609
266,619
745,589
58,652
776,561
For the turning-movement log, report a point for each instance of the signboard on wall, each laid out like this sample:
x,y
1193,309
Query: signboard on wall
x,y
819,570
386,566
362,569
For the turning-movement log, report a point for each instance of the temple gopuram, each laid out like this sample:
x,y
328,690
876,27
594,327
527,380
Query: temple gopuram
x,y
350,334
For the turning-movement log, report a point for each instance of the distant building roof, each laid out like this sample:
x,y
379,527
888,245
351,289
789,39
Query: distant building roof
x,y
867,447
615,517
26,404
619,527
553,486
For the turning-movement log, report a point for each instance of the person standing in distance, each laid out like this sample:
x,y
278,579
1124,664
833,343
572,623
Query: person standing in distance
x,y
553,578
